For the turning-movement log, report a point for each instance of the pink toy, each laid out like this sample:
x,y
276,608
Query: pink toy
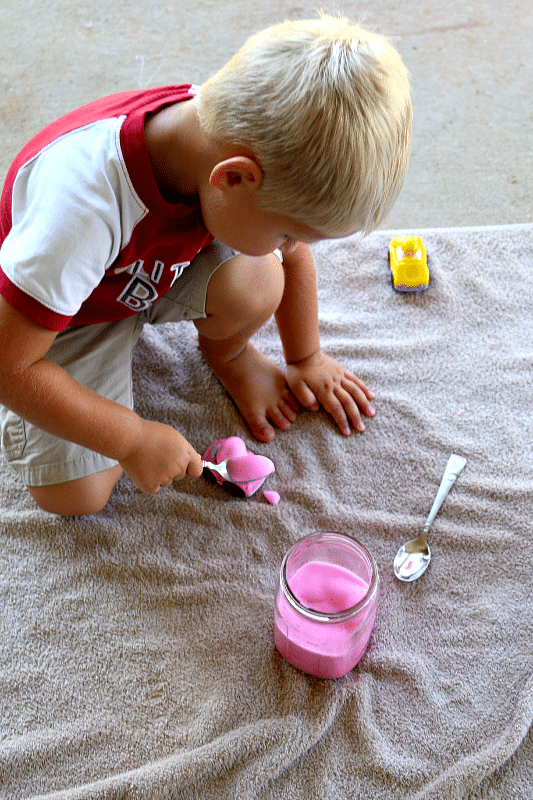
x,y
248,470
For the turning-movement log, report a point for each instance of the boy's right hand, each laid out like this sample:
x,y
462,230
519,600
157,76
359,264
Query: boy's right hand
x,y
159,456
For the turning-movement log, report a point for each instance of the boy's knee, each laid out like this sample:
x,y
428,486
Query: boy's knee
x,y
261,290
78,497
244,291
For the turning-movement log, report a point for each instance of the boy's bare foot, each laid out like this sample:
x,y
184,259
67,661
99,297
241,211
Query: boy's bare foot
x,y
258,388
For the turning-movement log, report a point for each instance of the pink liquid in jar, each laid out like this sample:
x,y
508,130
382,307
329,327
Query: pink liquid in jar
x,y
325,610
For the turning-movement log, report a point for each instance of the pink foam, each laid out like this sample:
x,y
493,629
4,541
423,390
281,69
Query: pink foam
x,y
249,468
271,497
232,446
328,651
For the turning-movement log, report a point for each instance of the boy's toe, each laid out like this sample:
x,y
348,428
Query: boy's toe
x,y
262,430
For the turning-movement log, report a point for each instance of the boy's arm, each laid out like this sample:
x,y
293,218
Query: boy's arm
x,y
151,454
314,378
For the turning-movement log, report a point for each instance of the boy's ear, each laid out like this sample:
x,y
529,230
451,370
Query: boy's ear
x,y
235,171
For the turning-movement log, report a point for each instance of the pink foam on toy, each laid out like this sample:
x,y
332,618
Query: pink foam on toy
x,y
233,446
249,468
271,497
245,469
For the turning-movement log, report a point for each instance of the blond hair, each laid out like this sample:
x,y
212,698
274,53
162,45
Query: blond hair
x,y
324,107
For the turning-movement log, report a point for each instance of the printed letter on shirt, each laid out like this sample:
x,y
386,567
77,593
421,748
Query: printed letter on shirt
x,y
138,294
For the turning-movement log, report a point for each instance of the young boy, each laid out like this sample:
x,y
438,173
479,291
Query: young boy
x,y
164,204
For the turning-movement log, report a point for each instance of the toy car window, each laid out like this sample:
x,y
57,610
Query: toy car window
x,y
400,254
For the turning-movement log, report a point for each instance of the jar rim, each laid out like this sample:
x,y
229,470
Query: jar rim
x,y
330,616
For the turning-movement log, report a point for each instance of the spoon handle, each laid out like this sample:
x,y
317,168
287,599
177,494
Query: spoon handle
x,y
219,468
453,468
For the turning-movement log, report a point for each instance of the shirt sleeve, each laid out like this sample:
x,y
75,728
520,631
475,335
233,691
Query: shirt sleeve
x,y
66,224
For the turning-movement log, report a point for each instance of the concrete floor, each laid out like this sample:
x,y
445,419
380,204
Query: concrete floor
x,y
470,62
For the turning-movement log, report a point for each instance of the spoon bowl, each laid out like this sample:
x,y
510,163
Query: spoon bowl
x,y
242,469
413,557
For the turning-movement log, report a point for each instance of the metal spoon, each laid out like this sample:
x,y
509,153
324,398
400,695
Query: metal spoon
x,y
229,470
221,469
413,557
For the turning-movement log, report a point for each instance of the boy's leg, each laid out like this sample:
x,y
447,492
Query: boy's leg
x,y
77,497
242,295
229,296
63,477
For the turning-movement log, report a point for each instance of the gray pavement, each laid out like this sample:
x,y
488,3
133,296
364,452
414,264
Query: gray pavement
x,y
470,62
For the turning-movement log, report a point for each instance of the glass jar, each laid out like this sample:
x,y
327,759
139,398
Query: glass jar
x,y
325,604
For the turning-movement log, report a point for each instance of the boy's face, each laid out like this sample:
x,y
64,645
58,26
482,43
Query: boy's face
x,y
252,231
232,213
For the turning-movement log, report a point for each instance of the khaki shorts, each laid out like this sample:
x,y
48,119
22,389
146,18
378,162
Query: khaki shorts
x,y
99,357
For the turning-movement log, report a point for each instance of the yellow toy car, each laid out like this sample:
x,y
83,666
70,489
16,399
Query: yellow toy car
x,y
408,263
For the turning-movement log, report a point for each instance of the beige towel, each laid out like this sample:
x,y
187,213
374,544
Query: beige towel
x,y
136,645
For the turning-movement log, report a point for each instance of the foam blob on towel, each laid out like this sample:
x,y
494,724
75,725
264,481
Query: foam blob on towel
x,y
271,497
247,470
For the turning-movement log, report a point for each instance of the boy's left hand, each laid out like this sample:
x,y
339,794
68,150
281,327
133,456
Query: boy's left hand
x,y
321,381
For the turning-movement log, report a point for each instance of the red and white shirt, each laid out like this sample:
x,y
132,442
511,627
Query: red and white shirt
x,y
85,234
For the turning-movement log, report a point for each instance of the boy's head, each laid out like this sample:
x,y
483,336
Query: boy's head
x,y
324,106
